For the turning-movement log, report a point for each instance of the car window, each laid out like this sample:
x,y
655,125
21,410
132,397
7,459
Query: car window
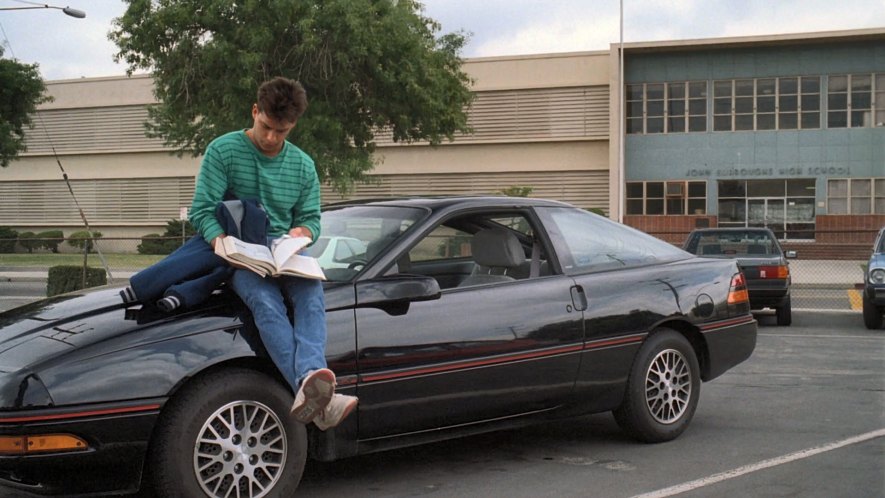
x,y
733,243
591,242
479,249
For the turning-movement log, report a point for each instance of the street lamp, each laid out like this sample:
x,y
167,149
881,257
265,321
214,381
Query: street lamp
x,y
79,14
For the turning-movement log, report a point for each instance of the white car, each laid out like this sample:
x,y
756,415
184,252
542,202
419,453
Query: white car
x,y
337,252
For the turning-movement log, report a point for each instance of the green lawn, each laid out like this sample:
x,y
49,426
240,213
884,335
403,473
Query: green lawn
x,y
45,260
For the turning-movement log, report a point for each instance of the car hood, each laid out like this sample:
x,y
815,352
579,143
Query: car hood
x,y
45,328
877,261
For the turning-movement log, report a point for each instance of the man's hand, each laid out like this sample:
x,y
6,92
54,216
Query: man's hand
x,y
301,232
215,240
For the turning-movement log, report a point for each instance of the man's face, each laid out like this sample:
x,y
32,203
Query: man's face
x,y
268,134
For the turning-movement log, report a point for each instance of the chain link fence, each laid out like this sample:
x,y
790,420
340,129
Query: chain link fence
x,y
825,276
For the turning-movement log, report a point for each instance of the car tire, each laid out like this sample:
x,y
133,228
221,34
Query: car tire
x,y
784,314
662,389
872,314
248,439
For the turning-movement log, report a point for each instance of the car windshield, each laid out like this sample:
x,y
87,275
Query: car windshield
x,y
881,248
732,243
352,236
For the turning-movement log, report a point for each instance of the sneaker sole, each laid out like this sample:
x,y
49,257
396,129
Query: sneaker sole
x,y
318,390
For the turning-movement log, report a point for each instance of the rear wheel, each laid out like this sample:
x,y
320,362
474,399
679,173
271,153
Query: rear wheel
x,y
784,314
662,389
228,434
872,314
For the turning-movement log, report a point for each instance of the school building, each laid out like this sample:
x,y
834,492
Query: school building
x,y
785,131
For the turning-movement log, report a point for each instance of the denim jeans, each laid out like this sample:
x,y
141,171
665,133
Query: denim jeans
x,y
295,350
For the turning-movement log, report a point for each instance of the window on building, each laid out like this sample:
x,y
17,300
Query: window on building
x,y
784,206
676,107
856,196
789,103
853,98
676,197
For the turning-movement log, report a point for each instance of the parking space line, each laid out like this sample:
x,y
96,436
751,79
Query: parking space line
x,y
746,469
855,299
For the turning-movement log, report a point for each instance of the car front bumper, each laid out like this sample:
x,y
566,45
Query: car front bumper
x,y
117,438
875,293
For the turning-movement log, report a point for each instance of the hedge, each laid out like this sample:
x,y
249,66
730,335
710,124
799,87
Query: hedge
x,y
67,278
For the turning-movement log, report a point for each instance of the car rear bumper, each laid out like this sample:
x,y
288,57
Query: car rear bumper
x,y
117,437
767,297
729,342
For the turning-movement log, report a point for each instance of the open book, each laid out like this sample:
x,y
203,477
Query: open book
x,y
282,260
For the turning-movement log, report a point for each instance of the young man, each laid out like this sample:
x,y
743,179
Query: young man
x,y
258,163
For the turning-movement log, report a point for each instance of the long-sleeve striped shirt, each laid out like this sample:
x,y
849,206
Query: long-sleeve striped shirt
x,y
286,185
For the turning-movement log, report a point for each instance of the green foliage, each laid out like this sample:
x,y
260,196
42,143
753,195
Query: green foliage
x,y
64,278
154,243
366,64
29,241
8,237
517,191
50,239
83,239
598,211
21,90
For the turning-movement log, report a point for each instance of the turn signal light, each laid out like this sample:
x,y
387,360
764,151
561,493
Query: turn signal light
x,y
40,443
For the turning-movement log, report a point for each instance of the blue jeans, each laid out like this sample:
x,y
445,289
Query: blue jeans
x,y
295,350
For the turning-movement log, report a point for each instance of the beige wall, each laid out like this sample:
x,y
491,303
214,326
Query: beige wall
x,y
538,71
100,92
82,166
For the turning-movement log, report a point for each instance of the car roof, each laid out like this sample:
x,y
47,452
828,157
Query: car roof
x,y
732,229
445,202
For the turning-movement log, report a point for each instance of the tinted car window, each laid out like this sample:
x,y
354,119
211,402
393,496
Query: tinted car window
x,y
731,243
593,242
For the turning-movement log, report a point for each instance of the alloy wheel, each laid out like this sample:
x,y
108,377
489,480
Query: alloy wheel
x,y
240,451
668,386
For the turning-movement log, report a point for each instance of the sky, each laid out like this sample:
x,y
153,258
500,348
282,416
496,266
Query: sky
x,y
65,47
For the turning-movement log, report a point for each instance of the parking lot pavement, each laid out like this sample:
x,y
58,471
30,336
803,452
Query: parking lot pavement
x,y
805,416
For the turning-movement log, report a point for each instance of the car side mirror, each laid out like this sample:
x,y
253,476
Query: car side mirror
x,y
791,254
396,290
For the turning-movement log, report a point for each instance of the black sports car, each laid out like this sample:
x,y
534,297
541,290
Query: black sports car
x,y
463,315
761,259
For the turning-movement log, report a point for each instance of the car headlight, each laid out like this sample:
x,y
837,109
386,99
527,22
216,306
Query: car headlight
x,y
877,276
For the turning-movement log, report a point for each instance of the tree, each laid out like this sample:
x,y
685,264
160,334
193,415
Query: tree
x,y
21,90
367,65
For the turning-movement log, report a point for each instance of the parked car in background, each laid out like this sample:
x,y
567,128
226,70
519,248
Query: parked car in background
x,y
335,251
461,316
874,285
760,257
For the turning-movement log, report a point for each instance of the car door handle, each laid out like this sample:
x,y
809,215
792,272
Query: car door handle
x,y
579,298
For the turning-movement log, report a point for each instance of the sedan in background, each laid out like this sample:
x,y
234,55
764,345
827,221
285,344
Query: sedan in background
x,y
759,256
874,285
454,316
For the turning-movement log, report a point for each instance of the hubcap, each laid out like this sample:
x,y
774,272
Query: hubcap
x,y
668,386
240,451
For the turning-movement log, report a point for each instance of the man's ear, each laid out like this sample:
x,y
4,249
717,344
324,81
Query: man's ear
x,y
254,111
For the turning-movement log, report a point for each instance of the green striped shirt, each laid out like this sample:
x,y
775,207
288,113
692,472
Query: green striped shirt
x,y
286,185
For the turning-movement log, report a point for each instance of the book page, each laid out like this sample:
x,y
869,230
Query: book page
x,y
285,247
302,266
254,256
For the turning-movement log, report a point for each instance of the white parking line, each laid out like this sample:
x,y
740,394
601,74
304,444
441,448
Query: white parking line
x,y
730,474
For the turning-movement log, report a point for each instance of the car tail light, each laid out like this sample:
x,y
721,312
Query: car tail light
x,y
780,272
40,443
737,293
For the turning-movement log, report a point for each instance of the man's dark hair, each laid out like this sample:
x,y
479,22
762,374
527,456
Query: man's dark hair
x,y
282,99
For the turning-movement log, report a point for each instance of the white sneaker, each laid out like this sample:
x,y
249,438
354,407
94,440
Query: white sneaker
x,y
314,394
337,410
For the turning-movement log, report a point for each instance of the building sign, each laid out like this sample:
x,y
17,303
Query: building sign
x,y
752,172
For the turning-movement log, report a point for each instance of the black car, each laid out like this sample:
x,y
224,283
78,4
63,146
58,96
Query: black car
x,y
874,285
462,316
759,256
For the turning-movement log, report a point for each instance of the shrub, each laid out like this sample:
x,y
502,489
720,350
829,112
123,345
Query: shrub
x,y
67,278
83,240
153,243
29,241
8,238
50,239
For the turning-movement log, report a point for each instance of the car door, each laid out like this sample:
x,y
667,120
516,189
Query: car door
x,y
496,349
